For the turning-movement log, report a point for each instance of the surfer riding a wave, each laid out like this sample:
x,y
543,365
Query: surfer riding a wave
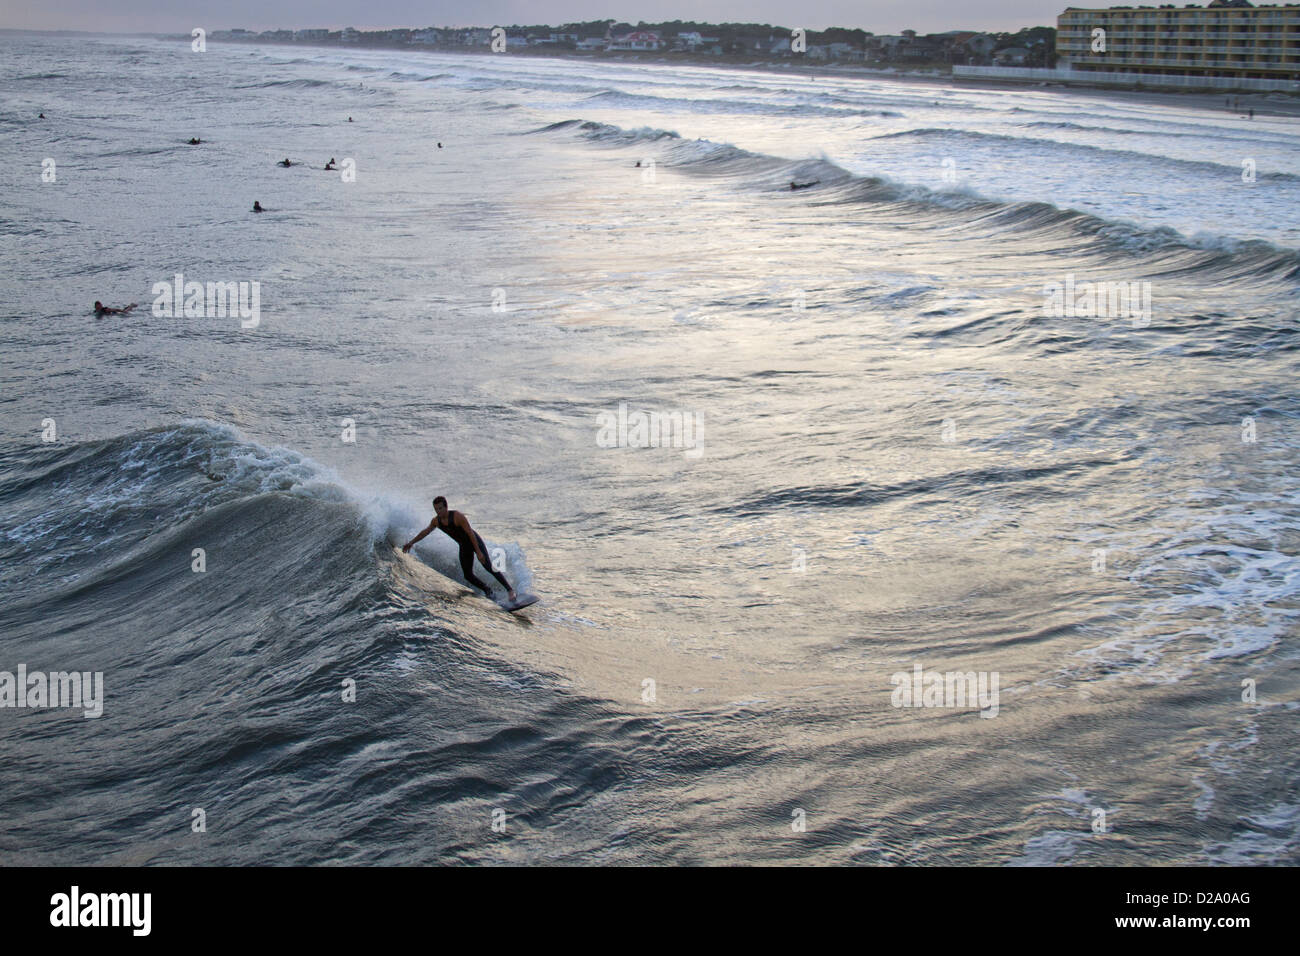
x,y
456,526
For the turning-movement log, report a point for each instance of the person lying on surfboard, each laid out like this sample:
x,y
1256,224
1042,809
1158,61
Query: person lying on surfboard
x,y
102,309
456,526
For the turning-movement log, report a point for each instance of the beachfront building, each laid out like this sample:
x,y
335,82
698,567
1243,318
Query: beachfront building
x,y
470,36
559,41
1226,38
955,46
884,47
640,40
978,46
906,47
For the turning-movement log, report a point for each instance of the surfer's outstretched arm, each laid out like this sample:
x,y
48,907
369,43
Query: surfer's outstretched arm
x,y
407,547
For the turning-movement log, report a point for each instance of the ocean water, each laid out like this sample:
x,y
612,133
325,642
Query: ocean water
x,y
888,451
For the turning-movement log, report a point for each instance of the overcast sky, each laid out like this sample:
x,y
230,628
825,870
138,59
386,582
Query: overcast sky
x,y
180,16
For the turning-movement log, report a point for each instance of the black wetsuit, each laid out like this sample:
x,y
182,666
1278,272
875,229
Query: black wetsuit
x,y
457,533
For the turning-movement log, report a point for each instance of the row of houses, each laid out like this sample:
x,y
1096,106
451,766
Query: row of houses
x,y
956,46
477,37
428,36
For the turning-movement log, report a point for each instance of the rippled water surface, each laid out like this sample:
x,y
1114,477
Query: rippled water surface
x,y
900,457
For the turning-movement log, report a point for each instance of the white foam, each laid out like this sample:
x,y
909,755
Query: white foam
x,y
1051,848
1275,837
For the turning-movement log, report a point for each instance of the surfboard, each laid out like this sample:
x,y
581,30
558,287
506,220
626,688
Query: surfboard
x,y
522,600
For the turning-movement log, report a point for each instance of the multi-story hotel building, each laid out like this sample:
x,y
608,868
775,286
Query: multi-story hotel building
x,y
1226,38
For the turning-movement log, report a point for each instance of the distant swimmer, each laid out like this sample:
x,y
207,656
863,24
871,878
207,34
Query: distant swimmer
x,y
195,141
284,162
257,206
349,119
456,526
440,145
102,309
330,164
795,185
42,116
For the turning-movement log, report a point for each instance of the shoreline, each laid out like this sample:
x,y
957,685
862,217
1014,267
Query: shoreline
x,y
1275,103
1264,104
